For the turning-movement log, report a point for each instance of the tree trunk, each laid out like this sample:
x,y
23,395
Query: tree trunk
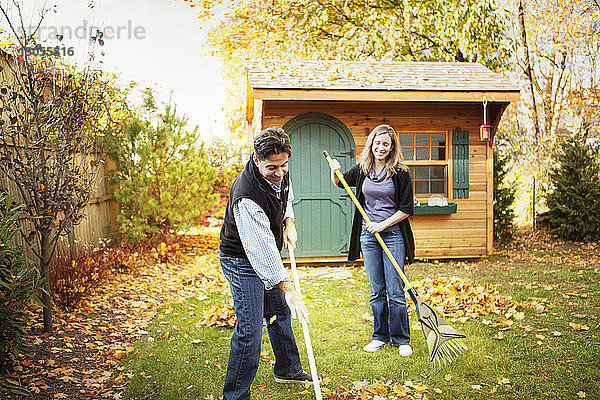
x,y
533,204
527,71
530,88
45,271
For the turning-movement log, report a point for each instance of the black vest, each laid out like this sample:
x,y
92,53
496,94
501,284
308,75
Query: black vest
x,y
252,185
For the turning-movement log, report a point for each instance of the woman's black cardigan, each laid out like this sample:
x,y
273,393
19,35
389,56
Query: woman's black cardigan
x,y
404,203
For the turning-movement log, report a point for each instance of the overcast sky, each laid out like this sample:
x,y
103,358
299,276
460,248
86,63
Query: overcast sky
x,y
157,43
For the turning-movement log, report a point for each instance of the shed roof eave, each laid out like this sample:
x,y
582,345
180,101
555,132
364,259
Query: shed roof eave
x,y
384,95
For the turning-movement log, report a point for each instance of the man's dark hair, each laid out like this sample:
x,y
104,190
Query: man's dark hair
x,y
272,141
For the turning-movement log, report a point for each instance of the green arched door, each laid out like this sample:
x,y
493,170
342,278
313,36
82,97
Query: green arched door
x,y
323,212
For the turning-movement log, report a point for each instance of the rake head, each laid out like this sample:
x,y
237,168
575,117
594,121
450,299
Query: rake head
x,y
445,344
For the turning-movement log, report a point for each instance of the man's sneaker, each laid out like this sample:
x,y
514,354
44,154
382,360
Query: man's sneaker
x,y
405,350
301,377
374,346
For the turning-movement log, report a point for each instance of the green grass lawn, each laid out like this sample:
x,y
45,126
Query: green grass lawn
x,y
549,354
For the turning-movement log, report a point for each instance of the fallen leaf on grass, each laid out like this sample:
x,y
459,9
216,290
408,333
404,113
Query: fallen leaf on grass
x,y
539,307
367,318
581,315
582,295
581,394
476,387
223,315
579,327
519,316
527,328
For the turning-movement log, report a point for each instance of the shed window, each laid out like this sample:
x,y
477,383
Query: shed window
x,y
425,154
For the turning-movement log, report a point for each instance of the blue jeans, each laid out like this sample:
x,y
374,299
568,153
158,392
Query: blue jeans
x,y
387,288
252,303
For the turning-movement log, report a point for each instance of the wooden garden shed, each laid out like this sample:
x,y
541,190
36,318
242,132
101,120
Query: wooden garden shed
x,y
436,108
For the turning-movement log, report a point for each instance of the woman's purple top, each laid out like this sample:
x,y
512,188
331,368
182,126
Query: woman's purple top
x,y
380,199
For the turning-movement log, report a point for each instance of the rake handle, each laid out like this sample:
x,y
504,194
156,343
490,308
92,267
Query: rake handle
x,y
364,214
309,349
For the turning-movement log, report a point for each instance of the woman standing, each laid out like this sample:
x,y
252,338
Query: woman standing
x,y
384,189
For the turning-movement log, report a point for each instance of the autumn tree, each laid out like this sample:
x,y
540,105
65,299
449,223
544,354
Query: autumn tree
x,y
358,30
50,118
408,30
556,63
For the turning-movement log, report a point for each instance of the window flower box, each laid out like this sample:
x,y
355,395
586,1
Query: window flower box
x,y
430,210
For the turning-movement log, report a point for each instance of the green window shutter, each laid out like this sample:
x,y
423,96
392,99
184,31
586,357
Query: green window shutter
x,y
460,164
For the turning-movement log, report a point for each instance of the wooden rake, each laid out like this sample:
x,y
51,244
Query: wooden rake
x,y
445,344
309,349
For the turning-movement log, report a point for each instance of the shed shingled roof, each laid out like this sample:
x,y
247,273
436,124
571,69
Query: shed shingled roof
x,y
388,76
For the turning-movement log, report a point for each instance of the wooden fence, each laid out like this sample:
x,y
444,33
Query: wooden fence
x,y
100,214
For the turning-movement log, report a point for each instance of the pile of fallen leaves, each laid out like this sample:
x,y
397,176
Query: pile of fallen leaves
x,y
223,315
462,298
205,274
379,390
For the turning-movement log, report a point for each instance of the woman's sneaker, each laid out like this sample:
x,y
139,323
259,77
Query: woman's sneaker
x,y
405,350
374,346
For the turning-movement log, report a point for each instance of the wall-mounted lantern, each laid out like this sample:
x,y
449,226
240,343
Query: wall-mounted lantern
x,y
485,130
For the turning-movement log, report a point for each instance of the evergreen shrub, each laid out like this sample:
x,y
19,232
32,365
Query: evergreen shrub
x,y
504,197
574,202
164,180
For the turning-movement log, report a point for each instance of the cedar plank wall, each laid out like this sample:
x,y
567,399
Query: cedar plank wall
x,y
464,234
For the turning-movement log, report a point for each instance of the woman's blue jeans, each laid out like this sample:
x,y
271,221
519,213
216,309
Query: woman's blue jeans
x,y
252,303
387,288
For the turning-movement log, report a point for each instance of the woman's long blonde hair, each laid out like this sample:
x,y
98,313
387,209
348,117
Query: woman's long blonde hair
x,y
394,160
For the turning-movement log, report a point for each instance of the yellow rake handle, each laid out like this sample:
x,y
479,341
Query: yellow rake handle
x,y
364,214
